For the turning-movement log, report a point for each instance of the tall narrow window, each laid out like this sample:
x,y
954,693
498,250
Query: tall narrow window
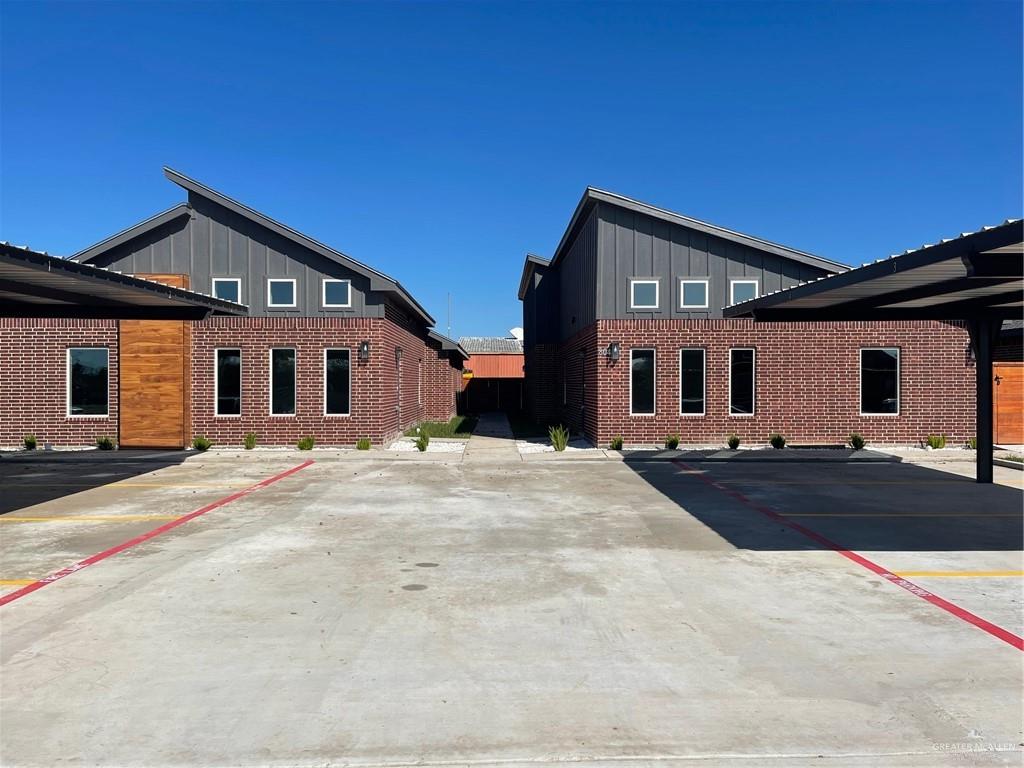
x,y
880,382
741,382
87,381
691,382
228,382
282,382
641,382
337,382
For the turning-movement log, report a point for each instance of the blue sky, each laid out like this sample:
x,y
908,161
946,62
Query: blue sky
x,y
439,142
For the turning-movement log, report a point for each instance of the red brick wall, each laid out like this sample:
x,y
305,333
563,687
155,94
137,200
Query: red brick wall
x,y
33,399
807,381
375,385
33,376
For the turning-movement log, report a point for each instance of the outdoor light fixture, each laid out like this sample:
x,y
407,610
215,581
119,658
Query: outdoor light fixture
x,y
364,351
398,354
613,351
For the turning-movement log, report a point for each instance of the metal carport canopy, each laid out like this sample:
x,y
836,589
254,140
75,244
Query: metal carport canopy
x,y
35,284
977,278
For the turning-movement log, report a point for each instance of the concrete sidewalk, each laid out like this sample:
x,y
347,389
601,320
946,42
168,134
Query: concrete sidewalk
x,y
492,441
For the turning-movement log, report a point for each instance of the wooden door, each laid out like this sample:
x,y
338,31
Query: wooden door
x,y
1008,403
154,379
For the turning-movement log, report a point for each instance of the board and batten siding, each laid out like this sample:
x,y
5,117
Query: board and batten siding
x,y
212,241
634,245
577,281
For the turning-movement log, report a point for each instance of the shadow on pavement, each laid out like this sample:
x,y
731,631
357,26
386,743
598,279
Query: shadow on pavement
x,y
33,478
859,506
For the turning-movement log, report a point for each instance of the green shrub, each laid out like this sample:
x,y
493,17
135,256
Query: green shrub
x,y
104,443
616,443
972,443
733,441
423,441
672,442
306,443
201,443
936,441
559,437
250,440
363,444
857,441
777,441
30,442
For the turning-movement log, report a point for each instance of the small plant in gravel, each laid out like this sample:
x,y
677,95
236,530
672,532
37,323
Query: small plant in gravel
x,y
972,443
363,444
104,443
559,437
30,442
935,442
249,440
616,443
857,441
733,441
777,441
672,442
201,443
422,441
306,443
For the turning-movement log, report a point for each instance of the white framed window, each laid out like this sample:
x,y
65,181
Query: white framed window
x,y
880,381
743,289
642,396
282,381
742,381
227,382
692,381
643,293
227,288
693,294
87,386
336,294
281,292
337,382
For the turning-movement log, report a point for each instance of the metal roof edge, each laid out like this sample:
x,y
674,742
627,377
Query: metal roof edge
x,y
448,344
529,263
147,225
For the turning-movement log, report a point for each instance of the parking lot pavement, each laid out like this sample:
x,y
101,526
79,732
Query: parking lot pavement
x,y
381,612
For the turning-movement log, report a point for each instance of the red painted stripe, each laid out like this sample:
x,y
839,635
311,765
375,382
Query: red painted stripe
x,y
961,613
100,556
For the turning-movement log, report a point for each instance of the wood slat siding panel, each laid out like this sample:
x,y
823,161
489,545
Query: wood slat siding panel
x,y
1009,403
154,380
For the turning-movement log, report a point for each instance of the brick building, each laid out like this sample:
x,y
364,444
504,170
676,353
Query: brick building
x,y
624,336
331,347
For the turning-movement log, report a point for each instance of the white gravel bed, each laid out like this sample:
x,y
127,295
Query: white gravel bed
x,y
435,446
538,446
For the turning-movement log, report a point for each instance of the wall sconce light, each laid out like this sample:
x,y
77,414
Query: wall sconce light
x,y
364,351
612,353
398,354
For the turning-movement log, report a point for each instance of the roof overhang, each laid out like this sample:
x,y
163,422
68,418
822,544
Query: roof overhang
x,y
35,284
592,196
977,275
532,262
448,345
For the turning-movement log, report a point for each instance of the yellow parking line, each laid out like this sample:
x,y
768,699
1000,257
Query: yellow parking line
x,y
16,582
87,519
961,574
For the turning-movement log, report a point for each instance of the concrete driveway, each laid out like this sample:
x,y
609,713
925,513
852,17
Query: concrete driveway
x,y
381,612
